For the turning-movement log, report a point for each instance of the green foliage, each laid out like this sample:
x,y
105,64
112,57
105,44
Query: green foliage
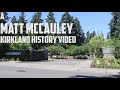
x,y
99,53
3,49
116,44
115,25
67,18
116,41
106,63
20,46
96,41
96,44
73,50
36,18
76,50
93,34
3,46
89,36
6,17
108,43
117,52
22,18
50,18
55,50
108,35
77,28
14,19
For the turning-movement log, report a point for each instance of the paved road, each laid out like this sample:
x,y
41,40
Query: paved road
x,y
19,72
54,69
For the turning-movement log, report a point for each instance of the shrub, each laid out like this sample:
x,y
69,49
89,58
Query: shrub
x,y
99,53
108,43
95,45
21,46
78,50
55,50
117,52
3,49
106,63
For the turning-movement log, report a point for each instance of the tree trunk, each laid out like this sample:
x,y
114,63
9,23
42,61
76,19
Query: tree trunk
x,y
57,56
94,56
50,55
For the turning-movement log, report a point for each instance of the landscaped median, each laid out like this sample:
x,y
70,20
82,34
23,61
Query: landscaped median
x,y
106,63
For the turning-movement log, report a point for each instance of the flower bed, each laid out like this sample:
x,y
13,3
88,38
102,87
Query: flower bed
x,y
106,63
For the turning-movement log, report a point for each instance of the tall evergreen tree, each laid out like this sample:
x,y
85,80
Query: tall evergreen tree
x,y
36,18
88,37
4,47
6,17
67,18
14,19
78,31
102,34
22,19
50,18
93,34
115,25
108,35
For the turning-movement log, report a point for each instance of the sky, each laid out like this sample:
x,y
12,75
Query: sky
x,y
90,21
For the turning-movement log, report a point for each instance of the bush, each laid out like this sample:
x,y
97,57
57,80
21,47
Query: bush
x,y
95,45
117,52
67,52
77,51
3,49
20,46
99,53
55,50
106,63
70,51
108,43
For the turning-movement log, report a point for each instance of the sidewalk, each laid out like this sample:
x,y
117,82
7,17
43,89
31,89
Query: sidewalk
x,y
84,66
